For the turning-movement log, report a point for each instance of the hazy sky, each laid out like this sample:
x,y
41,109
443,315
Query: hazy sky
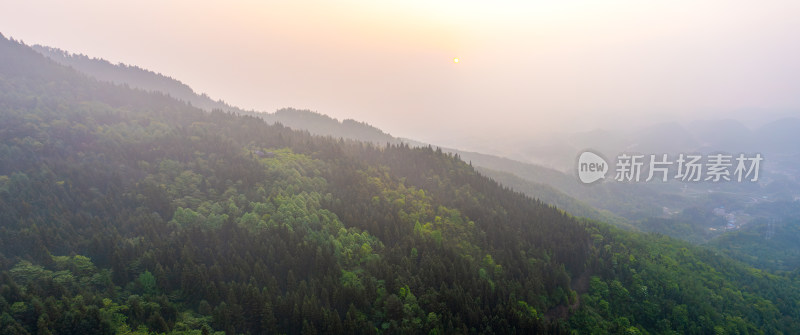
x,y
524,67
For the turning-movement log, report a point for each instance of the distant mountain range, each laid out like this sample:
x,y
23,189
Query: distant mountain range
x,y
776,137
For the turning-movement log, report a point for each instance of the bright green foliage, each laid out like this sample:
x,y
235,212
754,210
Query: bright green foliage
x,y
147,282
186,216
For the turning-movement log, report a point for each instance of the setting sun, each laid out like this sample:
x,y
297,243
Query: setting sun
x,y
455,60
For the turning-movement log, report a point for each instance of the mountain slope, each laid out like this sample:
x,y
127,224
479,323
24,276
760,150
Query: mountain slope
x,y
134,77
643,206
123,210
550,195
319,124
769,242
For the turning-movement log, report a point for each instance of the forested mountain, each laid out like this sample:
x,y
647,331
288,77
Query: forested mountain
x,y
550,195
126,211
320,124
617,203
641,206
770,242
135,77
765,244
323,125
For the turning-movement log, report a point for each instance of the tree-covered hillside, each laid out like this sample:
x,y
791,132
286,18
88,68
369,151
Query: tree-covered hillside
x,y
320,124
125,211
770,242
